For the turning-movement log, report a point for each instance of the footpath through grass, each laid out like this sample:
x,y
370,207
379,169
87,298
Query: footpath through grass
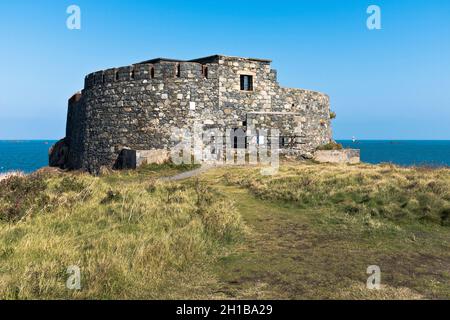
x,y
309,232
316,229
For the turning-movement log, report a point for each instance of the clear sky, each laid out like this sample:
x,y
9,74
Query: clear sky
x,y
392,83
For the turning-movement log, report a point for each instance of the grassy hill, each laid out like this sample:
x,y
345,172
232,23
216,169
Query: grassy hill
x,y
309,232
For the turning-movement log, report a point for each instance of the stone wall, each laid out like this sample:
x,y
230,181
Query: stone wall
x,y
136,107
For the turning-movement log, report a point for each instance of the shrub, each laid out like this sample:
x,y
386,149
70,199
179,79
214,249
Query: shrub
x,y
8,175
331,146
71,184
332,115
20,195
111,196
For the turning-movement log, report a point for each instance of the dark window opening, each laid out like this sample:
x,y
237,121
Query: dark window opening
x,y
178,70
132,74
116,76
246,83
205,72
152,73
213,145
282,141
238,138
103,78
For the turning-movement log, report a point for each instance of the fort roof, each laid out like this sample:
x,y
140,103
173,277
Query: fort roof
x,y
208,59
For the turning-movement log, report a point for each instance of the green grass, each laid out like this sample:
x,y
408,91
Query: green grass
x,y
137,239
316,229
309,232
331,146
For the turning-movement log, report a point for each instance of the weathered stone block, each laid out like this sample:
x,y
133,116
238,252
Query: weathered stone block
x,y
350,156
151,156
132,159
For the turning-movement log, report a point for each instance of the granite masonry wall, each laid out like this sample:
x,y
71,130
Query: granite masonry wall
x,y
135,107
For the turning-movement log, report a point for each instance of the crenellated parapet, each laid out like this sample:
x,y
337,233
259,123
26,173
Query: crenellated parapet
x,y
158,71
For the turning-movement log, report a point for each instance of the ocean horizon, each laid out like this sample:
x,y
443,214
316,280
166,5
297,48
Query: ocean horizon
x,y
30,155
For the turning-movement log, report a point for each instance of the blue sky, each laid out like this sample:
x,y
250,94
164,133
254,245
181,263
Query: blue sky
x,y
392,83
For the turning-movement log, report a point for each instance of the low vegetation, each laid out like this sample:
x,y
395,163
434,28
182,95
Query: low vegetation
x,y
381,193
332,115
309,232
138,238
7,175
331,146
321,226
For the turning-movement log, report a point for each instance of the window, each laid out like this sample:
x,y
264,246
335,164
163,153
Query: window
x,y
178,72
116,75
246,83
152,73
132,74
238,138
260,140
205,71
213,144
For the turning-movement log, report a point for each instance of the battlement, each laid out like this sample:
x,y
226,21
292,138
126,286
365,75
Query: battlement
x,y
165,69
162,70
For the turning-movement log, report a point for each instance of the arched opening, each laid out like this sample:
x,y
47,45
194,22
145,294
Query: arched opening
x,y
238,138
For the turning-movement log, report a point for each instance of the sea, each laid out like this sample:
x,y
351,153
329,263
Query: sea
x,y
30,155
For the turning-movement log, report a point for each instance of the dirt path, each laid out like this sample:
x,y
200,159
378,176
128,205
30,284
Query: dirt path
x,y
286,257
267,265
289,255
292,252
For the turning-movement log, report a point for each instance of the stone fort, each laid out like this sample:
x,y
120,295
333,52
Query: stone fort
x,y
136,107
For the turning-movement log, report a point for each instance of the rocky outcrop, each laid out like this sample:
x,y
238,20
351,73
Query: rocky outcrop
x,y
350,156
58,154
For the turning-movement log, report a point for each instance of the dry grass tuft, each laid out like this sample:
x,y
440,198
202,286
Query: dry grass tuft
x,y
8,175
129,240
364,191
310,232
